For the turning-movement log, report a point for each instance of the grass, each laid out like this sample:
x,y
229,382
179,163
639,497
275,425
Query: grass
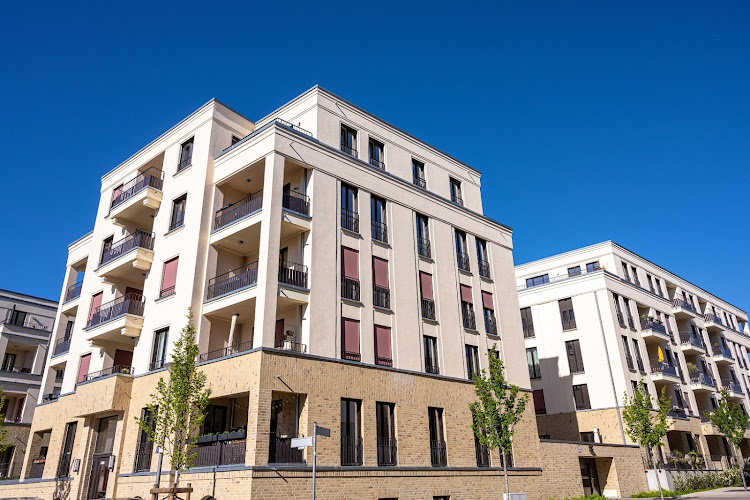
x,y
671,493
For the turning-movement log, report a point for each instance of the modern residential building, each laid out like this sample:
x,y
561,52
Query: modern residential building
x,y
600,320
25,332
304,313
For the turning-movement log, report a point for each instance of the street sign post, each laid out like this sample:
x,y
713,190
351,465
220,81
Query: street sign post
x,y
301,443
304,442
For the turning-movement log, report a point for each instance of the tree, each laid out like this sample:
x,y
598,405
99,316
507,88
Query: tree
x,y
730,420
178,407
644,425
498,410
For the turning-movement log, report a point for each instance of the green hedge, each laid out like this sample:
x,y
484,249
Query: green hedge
x,y
708,480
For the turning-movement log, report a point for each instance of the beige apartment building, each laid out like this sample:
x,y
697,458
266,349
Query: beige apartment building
x,y
601,319
305,313
26,324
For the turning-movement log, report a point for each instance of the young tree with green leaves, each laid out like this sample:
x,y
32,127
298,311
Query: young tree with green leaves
x,y
730,420
178,407
644,425
499,409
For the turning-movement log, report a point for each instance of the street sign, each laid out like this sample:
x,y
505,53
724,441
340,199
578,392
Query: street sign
x,y
300,443
322,431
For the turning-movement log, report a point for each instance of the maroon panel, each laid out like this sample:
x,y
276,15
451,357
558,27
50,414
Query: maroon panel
x,y
487,301
130,290
350,262
466,294
350,329
170,274
539,401
122,358
96,301
116,192
382,342
83,367
425,282
380,271
279,334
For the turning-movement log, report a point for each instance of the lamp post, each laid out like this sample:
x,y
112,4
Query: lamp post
x,y
168,366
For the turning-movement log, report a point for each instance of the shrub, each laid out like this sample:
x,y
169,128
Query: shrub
x,y
694,481
585,497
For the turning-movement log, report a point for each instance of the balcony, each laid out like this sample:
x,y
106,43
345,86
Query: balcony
x,y
61,346
296,202
423,248
654,331
72,293
713,323
231,290
281,452
664,372
291,345
224,352
381,297
490,323
220,453
484,269
387,451
438,454
722,355
112,370
683,309
134,251
733,388
122,317
238,210
691,344
135,201
462,260
379,231
351,450
350,220
19,377
236,226
104,391
467,314
700,382
428,309
37,468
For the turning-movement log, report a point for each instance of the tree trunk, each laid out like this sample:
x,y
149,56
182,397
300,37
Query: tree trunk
x,y
505,473
656,470
741,465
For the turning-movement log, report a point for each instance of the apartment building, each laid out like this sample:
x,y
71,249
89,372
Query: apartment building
x,y
25,332
600,320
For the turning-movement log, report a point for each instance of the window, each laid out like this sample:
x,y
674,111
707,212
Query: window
x,y
657,282
635,276
145,448
650,281
490,323
423,237
438,455
216,419
9,362
379,226
540,407
574,271
106,247
581,397
159,351
377,157
567,315
628,356
169,277
349,273
381,292
625,271
386,433
83,368
348,140
96,302
532,359
467,308
349,216
63,465
186,155
178,212
587,436
430,355
350,337
618,311
575,360
472,361
638,359
593,266
527,322
69,329
537,280
427,300
59,374
383,346
456,192
462,255
105,438
628,313
417,170
351,432
482,259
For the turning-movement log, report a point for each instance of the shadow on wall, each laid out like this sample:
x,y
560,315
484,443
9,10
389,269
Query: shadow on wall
x,y
562,424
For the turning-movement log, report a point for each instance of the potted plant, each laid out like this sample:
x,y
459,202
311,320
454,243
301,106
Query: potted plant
x,y
240,433
206,438
125,371
692,368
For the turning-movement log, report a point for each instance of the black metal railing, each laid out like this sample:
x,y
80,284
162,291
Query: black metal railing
x,y
383,361
420,181
226,351
381,296
732,386
456,198
143,454
116,369
720,350
423,247
428,308
712,318
687,338
379,231
149,178
231,281
73,291
350,220
349,288
137,239
62,346
351,450
280,451
292,273
350,150
351,355
467,313
220,453
653,324
683,304
36,471
568,324
290,345
438,454
484,269
156,365
431,366
130,303
165,292
239,209
703,379
293,126
490,323
462,261
296,202
483,454
387,451
665,369
377,163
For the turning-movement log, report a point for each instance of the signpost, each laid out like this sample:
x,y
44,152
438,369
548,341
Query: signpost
x,y
304,442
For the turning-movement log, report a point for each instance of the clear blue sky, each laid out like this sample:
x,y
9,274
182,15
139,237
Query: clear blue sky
x,y
590,121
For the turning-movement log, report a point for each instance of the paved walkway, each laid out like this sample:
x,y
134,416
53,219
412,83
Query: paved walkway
x,y
733,493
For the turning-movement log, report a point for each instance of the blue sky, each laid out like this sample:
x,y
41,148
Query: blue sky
x,y
589,120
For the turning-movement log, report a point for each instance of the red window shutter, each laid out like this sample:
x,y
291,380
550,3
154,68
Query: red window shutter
x,y
466,294
96,301
350,262
83,367
350,329
380,271
487,301
539,402
382,342
425,282
169,279
279,333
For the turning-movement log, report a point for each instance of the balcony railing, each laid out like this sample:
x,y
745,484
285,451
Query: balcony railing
x,y
296,202
130,303
121,369
350,220
379,231
462,260
156,364
712,318
528,331
281,452
438,454
467,313
37,468
653,324
420,181
138,239
73,291
720,350
428,309
732,386
351,450
220,453
687,338
143,454
387,451
239,209
490,323
703,379
431,366
377,163
150,178
27,322
423,247
483,455
381,296
232,281
350,150
456,198
705,417
382,361
484,269
62,346
665,369
683,304
351,355
227,351
349,288
293,274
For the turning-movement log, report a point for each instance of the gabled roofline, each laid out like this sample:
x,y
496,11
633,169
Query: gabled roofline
x,y
52,304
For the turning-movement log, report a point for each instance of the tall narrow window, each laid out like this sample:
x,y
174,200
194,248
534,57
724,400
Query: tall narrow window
x,y
386,433
467,308
635,276
417,170
186,155
83,367
350,344
348,140
430,355
145,448
575,359
96,302
638,358
381,292
567,315
169,277
532,359
483,260
377,156
378,224
456,192
349,273
63,465
106,247
159,351
351,432
625,272
650,281
383,356
178,212
581,397
423,237
657,282
628,356
9,362
490,323
618,310
527,322
540,408
438,455
472,361
349,215
462,255
427,300
628,313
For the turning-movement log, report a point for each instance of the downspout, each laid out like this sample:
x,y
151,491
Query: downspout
x,y
609,367
231,330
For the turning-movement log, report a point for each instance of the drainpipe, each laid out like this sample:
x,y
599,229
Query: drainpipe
x,y
231,329
609,367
